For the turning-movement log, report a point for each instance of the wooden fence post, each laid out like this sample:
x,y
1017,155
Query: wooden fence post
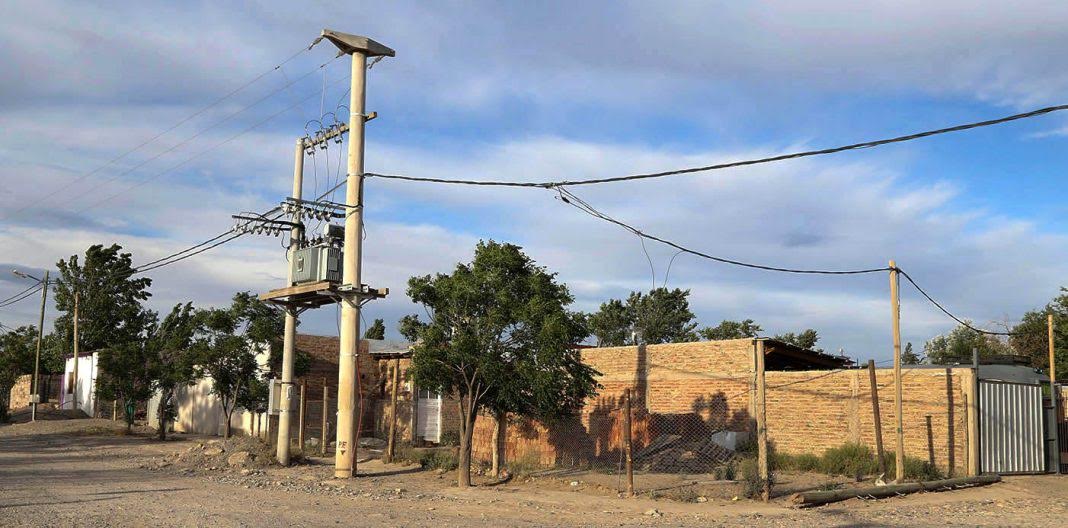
x,y
326,408
762,426
877,416
114,410
300,420
391,443
627,442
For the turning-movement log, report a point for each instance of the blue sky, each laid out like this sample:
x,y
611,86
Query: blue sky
x,y
552,91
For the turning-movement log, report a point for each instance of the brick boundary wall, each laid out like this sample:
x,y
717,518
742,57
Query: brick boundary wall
x,y
20,392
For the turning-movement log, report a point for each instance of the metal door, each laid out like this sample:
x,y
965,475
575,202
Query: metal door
x,y
428,420
1012,438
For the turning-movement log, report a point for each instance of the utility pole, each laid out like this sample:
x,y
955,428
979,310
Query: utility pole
x,y
36,394
1052,360
895,311
285,410
360,48
74,380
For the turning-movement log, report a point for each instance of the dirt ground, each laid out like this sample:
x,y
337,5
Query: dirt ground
x,y
86,473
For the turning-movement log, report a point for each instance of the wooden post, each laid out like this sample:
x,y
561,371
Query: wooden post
x,y
930,441
762,427
114,410
895,313
971,402
391,442
300,419
1052,360
326,407
627,442
877,417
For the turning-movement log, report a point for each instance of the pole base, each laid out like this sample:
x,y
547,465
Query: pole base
x,y
343,473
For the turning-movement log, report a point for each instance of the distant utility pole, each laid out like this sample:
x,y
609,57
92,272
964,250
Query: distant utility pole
x,y
36,395
360,48
285,410
74,379
1052,360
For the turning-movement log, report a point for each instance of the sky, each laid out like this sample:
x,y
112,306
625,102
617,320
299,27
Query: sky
x,y
550,91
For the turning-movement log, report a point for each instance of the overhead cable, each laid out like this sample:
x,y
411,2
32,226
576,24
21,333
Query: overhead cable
x,y
719,166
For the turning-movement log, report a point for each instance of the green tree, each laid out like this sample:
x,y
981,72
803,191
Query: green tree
x,y
125,367
731,330
957,346
227,352
908,357
806,339
18,347
500,336
660,316
109,302
377,330
1031,337
173,359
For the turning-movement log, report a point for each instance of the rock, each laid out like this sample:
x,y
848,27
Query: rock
x,y
334,483
702,499
574,483
372,442
246,472
239,458
213,451
311,442
653,512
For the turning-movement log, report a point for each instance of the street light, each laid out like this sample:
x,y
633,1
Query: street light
x,y
35,397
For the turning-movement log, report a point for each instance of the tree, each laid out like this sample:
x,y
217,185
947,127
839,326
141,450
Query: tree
x,y
18,348
660,316
499,336
908,357
805,339
377,330
109,299
227,351
1031,338
731,330
957,345
125,367
173,359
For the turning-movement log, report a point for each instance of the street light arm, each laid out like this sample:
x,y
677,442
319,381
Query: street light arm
x,y
25,275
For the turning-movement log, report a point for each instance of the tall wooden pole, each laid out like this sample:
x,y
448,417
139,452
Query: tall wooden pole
x,y
36,395
1052,359
391,444
877,417
895,311
762,427
74,379
627,447
326,408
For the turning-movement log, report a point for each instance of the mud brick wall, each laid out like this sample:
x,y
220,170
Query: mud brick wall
x,y
809,412
20,392
688,389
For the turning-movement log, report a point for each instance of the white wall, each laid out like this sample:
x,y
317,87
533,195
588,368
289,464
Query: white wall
x,y
86,389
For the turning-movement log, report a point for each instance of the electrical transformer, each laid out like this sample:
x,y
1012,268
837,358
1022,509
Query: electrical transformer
x,y
317,263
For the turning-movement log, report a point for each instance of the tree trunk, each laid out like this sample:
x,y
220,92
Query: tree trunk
x,y
464,466
226,426
499,434
163,410
128,410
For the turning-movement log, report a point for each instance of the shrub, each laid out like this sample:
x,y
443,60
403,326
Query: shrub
x,y
915,469
802,462
444,459
752,484
851,460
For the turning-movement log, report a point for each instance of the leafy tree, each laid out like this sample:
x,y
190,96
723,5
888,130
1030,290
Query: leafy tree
x,y
957,345
18,348
731,330
908,357
377,330
227,346
173,359
660,316
805,339
126,369
499,336
409,326
109,301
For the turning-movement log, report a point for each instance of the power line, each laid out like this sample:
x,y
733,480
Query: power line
x,y
19,293
938,305
181,122
26,295
569,198
782,157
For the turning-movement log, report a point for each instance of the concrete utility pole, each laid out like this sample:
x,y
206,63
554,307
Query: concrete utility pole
x,y
74,380
285,407
1052,360
895,310
36,394
360,48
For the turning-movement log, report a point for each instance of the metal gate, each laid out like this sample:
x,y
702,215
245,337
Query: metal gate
x,y
1012,438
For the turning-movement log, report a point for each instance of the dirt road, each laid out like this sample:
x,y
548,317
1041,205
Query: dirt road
x,y
80,473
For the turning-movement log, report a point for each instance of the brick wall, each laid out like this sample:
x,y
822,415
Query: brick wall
x,y
20,392
808,412
323,351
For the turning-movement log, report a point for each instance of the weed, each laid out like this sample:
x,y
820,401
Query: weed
x,y
851,460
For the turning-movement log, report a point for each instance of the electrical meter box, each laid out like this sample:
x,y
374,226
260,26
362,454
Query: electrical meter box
x,y
316,263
